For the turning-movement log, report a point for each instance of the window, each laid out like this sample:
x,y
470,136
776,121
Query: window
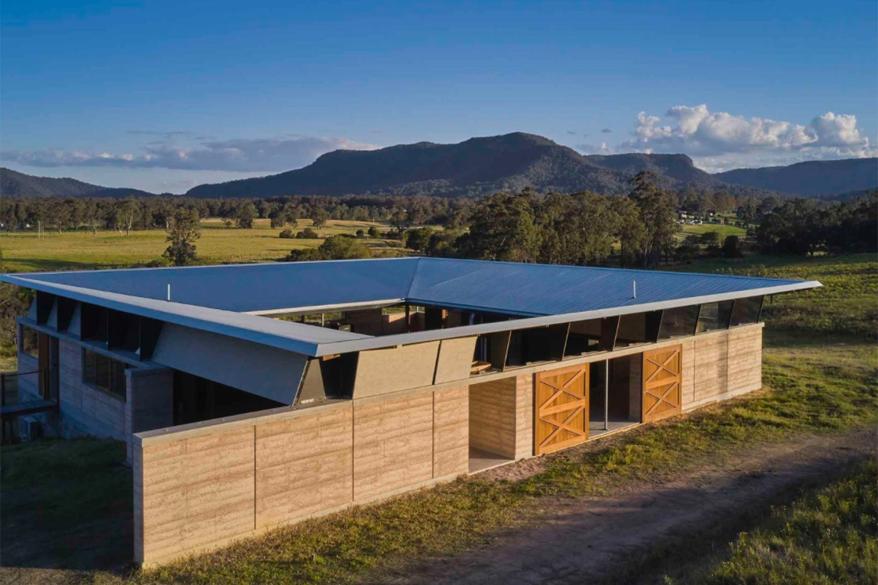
x,y
714,316
94,322
746,311
585,336
29,342
678,322
103,373
637,328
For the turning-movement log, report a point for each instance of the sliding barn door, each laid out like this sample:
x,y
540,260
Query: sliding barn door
x,y
560,409
662,377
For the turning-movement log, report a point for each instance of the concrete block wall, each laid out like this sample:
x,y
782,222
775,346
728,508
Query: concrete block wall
x,y
304,465
524,416
28,385
493,416
722,365
86,410
203,486
450,431
501,416
149,401
393,443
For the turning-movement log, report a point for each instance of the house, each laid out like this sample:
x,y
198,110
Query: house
x,y
254,396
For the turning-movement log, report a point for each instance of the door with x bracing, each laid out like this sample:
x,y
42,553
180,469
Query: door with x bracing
x,y
560,409
662,381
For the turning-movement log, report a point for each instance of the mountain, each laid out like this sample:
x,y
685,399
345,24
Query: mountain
x,y
15,184
481,166
477,166
813,178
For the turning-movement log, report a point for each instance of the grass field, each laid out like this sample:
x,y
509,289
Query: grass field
x,y
722,229
25,251
819,364
827,536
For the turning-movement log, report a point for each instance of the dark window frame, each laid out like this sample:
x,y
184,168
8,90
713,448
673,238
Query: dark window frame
x,y
724,311
734,318
104,374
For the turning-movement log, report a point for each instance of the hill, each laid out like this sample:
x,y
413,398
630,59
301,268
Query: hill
x,y
481,166
812,178
15,184
476,166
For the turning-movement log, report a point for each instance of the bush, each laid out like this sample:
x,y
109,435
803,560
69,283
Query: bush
x,y
361,234
287,234
374,232
307,234
333,248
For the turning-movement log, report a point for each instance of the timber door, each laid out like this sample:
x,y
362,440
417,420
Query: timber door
x,y
662,381
560,409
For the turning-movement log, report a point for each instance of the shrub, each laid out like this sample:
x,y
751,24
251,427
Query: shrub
x,y
286,234
307,234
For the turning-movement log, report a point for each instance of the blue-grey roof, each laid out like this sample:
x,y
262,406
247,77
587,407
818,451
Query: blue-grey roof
x,y
218,298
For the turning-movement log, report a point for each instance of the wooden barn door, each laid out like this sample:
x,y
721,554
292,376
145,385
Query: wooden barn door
x,y
560,409
662,369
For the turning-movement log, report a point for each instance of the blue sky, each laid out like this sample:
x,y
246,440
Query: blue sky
x,y
165,95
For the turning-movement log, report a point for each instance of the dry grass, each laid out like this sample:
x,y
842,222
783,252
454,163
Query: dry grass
x,y
25,251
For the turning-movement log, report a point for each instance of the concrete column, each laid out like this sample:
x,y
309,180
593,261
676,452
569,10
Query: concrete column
x,y
150,401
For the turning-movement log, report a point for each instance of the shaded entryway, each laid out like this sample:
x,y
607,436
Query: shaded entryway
x,y
615,394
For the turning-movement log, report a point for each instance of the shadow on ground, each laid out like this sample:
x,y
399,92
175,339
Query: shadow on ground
x,y
65,505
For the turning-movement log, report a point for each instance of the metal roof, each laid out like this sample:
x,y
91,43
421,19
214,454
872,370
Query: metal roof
x,y
219,298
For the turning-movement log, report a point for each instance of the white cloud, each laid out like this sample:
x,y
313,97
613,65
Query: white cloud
x,y
240,155
720,140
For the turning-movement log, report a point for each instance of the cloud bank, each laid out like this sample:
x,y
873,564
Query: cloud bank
x,y
239,155
720,140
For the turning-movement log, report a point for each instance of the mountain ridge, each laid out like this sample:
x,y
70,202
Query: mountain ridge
x,y
484,165
476,166
17,184
810,178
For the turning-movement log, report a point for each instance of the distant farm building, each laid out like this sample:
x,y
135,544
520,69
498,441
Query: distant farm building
x,y
254,396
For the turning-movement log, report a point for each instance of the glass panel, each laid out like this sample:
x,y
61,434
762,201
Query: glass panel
x,y
714,316
678,322
632,329
103,373
584,337
746,311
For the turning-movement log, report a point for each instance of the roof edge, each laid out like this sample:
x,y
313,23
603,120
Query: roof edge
x,y
542,320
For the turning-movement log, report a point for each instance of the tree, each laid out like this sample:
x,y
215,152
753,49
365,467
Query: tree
x,y
183,231
126,211
732,247
503,227
319,217
373,232
245,216
399,219
91,215
657,215
418,238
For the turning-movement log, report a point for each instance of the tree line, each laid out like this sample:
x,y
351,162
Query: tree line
x,y
583,228
125,215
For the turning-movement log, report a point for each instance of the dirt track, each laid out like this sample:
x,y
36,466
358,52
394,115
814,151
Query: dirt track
x,y
588,539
